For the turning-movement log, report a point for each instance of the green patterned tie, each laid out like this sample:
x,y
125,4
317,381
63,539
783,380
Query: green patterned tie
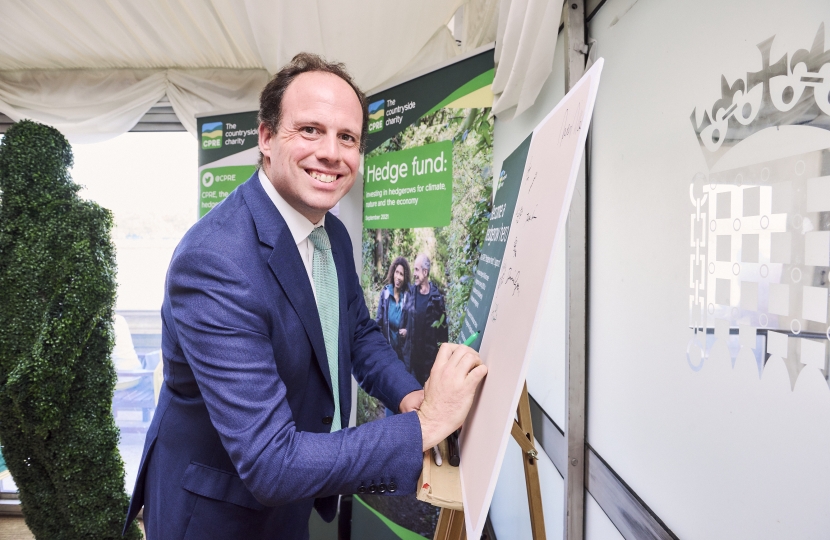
x,y
328,305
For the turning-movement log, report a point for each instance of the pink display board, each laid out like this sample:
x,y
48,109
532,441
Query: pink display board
x,y
538,223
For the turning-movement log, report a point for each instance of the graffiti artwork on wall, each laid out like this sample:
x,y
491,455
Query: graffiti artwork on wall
x,y
760,220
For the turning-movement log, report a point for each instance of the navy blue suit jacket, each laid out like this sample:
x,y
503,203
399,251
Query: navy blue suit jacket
x,y
240,446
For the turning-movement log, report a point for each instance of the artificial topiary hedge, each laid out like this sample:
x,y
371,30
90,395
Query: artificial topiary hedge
x,y
57,289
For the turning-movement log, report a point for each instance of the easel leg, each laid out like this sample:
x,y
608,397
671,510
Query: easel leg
x,y
523,433
450,525
451,522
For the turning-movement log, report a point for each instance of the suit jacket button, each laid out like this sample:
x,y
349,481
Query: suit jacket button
x,y
372,488
392,487
382,488
327,420
361,489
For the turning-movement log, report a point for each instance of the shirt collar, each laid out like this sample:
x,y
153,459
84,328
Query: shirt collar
x,y
299,226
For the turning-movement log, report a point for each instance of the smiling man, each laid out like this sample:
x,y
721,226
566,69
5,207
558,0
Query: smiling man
x,y
264,323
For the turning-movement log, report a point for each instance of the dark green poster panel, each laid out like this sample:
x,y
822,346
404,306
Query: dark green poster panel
x,y
486,272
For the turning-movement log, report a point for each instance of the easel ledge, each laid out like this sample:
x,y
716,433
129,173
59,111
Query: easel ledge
x,y
451,522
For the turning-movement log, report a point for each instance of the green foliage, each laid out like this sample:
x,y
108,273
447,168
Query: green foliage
x,y
368,408
472,201
57,290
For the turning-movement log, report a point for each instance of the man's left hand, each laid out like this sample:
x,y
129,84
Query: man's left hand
x,y
412,401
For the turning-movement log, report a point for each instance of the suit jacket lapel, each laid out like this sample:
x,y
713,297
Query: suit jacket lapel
x,y
287,266
340,262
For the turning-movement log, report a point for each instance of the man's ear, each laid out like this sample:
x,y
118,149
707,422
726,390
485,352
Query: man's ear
x,y
265,142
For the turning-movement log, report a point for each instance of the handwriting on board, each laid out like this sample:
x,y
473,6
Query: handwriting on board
x,y
537,224
525,218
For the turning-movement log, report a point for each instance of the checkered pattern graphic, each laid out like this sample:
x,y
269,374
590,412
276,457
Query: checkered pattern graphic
x,y
760,239
328,305
697,261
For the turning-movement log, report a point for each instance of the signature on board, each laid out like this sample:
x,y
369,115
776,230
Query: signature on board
x,y
568,127
511,277
532,179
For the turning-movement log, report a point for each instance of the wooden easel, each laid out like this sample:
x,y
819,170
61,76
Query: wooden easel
x,y
451,522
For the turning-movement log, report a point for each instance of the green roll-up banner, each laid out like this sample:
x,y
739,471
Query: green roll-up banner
x,y
228,154
427,196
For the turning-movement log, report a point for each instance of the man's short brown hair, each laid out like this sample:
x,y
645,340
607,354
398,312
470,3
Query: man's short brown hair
x,y
270,100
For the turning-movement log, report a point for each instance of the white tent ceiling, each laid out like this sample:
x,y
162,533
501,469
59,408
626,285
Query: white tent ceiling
x,y
375,38
93,68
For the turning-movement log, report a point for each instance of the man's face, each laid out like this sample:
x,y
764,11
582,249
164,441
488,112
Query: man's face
x,y
313,157
419,273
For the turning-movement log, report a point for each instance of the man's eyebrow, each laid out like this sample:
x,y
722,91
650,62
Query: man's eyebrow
x,y
355,134
313,123
317,124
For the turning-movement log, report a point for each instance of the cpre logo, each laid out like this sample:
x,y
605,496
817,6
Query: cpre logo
x,y
376,115
211,135
207,179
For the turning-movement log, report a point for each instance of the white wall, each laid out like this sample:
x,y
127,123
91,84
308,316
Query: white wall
x,y
719,452
597,524
546,374
509,511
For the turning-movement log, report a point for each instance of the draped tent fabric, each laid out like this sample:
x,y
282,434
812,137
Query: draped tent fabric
x,y
481,19
374,38
94,105
125,34
86,105
441,44
92,68
210,90
525,43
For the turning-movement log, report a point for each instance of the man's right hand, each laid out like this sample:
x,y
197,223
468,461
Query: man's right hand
x,y
449,392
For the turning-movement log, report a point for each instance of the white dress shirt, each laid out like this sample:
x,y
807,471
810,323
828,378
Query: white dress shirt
x,y
299,226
